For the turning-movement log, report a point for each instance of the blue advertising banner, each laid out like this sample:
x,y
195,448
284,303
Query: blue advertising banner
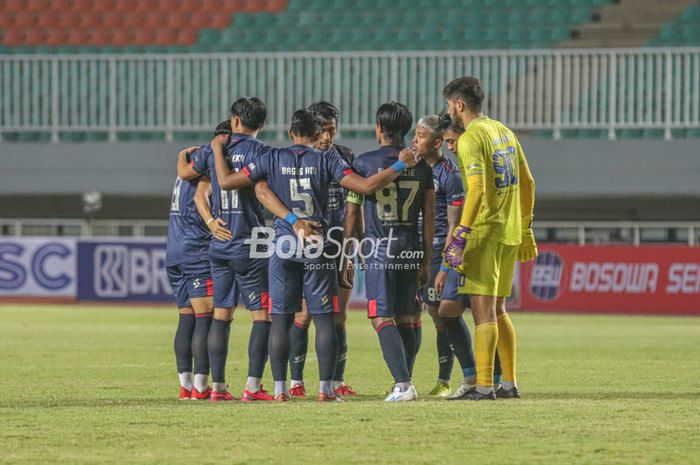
x,y
123,270
38,267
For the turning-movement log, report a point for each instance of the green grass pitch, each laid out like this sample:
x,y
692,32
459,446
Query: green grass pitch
x,y
98,385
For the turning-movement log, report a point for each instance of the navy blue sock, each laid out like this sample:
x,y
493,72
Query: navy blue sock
x,y
183,343
340,362
199,343
299,340
497,371
257,348
278,345
445,356
418,329
326,345
217,343
461,342
408,337
393,351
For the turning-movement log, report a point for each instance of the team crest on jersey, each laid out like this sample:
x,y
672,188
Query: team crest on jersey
x,y
251,166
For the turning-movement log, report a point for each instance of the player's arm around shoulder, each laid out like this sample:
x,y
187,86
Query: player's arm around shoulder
x,y
227,178
370,185
185,165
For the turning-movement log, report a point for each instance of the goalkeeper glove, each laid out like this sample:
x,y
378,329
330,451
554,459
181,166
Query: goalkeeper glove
x,y
455,251
528,248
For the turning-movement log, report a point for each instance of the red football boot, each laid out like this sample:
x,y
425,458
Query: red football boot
x,y
220,396
196,395
282,397
185,394
260,394
344,390
323,397
297,391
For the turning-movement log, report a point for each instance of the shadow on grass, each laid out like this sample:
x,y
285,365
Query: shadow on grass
x,y
20,404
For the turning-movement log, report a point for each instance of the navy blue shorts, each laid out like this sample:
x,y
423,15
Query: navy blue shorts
x,y
390,292
291,280
429,296
241,280
190,281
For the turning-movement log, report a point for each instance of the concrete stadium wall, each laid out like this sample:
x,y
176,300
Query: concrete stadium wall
x,y
628,179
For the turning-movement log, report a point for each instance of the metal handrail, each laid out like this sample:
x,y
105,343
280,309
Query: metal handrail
x,y
553,90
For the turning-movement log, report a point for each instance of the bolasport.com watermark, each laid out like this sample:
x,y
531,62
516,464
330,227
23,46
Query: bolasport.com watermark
x,y
366,253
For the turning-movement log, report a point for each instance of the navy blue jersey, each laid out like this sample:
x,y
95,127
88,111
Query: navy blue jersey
x,y
336,193
188,236
239,208
449,191
394,209
300,176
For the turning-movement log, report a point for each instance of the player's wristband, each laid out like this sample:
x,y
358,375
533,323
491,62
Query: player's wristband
x,y
444,267
291,218
210,220
398,166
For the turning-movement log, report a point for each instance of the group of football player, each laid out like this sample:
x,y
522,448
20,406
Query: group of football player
x,y
401,214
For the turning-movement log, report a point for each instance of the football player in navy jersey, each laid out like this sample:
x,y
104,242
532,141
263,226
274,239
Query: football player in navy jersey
x,y
329,116
441,293
451,134
396,259
300,177
238,209
187,265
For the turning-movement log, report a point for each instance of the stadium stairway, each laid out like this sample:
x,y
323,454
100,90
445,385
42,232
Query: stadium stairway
x,y
631,23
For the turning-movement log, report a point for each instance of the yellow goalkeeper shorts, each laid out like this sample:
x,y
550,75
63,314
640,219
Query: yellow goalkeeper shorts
x,y
489,267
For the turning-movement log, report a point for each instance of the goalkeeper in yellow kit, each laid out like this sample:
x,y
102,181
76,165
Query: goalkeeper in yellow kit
x,y
494,231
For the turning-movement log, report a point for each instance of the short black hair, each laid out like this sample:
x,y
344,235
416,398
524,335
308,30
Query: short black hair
x,y
223,128
395,120
325,110
468,89
306,123
251,111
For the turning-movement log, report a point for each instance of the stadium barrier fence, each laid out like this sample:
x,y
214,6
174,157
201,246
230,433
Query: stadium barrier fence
x,y
554,90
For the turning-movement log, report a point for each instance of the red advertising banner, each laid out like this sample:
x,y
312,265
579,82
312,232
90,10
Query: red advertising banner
x,y
610,278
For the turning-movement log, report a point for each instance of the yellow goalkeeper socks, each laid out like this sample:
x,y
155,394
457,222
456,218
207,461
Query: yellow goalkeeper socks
x,y
485,338
506,347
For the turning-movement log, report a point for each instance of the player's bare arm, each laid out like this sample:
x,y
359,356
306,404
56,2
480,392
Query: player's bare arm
x,y
227,179
217,226
351,222
184,169
366,186
428,210
304,228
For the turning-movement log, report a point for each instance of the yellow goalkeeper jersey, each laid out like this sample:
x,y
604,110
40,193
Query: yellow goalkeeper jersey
x,y
489,149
